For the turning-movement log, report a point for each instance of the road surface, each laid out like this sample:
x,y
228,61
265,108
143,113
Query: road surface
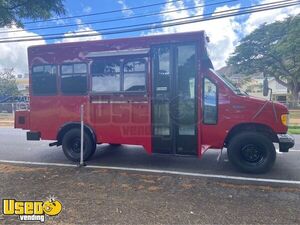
x,y
129,194
15,147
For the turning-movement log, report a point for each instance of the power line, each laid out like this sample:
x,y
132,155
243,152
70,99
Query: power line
x,y
105,12
157,26
122,19
283,3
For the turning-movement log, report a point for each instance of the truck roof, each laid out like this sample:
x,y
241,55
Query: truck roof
x,y
174,36
77,51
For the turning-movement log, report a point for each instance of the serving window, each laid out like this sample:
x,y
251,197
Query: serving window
x,y
106,76
135,75
119,75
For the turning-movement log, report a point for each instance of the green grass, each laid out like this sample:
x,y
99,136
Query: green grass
x,y
294,130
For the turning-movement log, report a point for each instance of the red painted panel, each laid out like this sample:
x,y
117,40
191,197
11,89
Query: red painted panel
x,y
122,119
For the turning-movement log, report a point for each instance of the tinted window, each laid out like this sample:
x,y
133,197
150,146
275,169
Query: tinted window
x,y
210,113
74,79
163,78
106,76
186,69
135,75
164,60
44,80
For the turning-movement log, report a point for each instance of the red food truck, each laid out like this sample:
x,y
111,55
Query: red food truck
x,y
160,92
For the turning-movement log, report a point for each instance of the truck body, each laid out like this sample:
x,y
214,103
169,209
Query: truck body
x,y
160,92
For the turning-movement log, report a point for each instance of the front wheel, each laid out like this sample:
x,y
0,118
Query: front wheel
x,y
251,152
71,145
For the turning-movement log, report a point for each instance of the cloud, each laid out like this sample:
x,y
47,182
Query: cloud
x,y
81,27
223,33
126,11
87,30
256,19
60,22
224,36
14,55
87,9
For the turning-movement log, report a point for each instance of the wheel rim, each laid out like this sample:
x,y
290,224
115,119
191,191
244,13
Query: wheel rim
x,y
253,154
75,145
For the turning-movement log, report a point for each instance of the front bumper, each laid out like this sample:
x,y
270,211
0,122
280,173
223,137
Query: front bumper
x,y
286,142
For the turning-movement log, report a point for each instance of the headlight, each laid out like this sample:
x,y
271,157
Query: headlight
x,y
285,119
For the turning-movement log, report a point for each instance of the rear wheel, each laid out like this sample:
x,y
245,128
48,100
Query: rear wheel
x,y
251,152
71,145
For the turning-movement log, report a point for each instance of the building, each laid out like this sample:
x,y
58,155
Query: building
x,y
255,88
23,83
253,85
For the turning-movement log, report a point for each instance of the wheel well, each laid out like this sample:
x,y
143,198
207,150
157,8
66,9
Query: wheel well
x,y
65,128
260,128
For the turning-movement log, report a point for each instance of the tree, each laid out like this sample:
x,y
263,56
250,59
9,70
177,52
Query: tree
x,y
274,50
12,12
8,84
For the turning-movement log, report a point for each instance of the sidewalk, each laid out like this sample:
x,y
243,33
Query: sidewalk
x,y
91,196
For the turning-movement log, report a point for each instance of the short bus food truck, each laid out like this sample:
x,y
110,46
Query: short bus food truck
x,y
160,92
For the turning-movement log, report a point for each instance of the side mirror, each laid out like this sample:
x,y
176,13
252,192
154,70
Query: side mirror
x,y
266,87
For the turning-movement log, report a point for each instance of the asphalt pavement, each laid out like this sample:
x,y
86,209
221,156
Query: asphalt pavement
x,y
132,194
15,147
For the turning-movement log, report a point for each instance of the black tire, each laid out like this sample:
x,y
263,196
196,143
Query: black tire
x,y
71,145
251,152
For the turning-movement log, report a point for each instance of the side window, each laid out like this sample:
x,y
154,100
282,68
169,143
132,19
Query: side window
x,y
74,79
135,75
210,101
44,79
106,76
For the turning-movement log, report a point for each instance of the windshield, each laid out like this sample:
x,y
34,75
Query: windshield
x,y
230,85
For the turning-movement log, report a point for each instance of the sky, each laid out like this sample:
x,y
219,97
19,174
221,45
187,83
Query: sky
x,y
224,34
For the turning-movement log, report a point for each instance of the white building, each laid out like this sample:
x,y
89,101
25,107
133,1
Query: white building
x,y
255,86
